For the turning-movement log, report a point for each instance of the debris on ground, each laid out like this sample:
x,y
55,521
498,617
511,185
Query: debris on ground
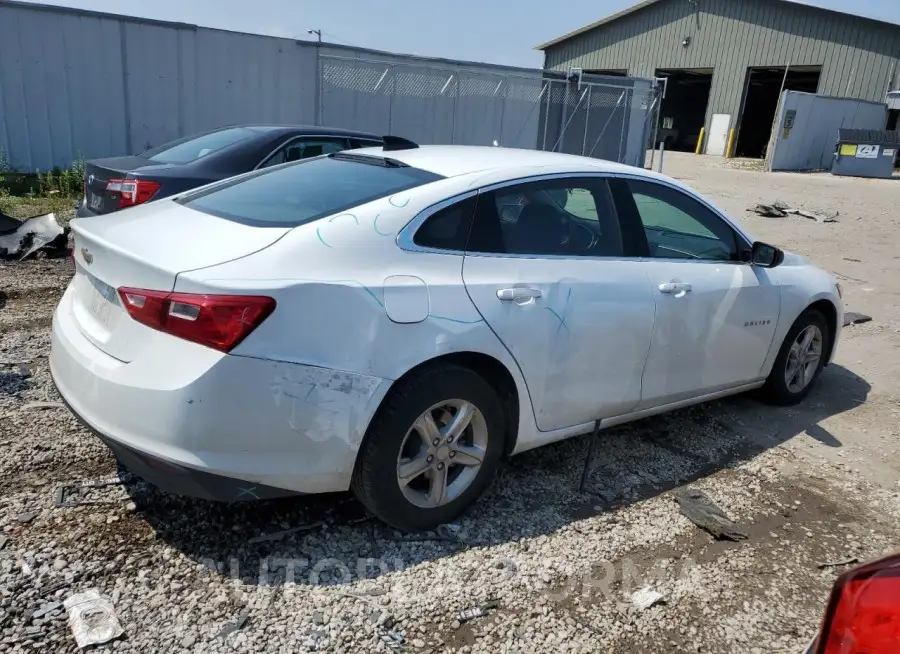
x,y
392,639
31,235
853,318
781,210
3,540
646,597
475,612
25,518
92,618
63,498
235,625
278,535
703,512
43,405
47,609
837,564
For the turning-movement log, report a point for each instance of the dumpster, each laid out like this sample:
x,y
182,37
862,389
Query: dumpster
x,y
865,153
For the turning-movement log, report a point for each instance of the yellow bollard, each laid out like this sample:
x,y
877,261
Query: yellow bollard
x,y
730,143
699,147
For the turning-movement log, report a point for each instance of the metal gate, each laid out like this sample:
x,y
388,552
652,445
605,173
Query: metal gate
x,y
603,117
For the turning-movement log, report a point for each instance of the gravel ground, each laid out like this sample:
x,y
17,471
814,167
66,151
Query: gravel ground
x,y
811,485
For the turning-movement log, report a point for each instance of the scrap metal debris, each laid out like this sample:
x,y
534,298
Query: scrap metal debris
x,y
703,512
31,235
26,517
278,535
234,626
780,210
646,597
838,564
475,612
92,618
853,318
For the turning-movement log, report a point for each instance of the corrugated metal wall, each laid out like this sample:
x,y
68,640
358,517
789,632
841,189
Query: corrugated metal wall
x,y
858,56
79,83
810,143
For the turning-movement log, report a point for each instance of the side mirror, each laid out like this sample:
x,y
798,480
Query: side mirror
x,y
765,255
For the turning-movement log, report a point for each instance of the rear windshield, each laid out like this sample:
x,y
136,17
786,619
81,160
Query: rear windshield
x,y
186,151
298,193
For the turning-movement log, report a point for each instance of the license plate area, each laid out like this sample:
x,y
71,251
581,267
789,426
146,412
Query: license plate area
x,y
95,201
99,297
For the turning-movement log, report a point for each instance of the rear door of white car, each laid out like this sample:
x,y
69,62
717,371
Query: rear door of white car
x,y
716,314
547,267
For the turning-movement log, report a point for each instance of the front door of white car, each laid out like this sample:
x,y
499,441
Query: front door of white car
x,y
544,266
715,314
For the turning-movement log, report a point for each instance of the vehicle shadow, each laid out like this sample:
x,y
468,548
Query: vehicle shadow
x,y
535,493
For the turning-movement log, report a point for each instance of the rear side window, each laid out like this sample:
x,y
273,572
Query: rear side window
x,y
294,194
447,229
186,151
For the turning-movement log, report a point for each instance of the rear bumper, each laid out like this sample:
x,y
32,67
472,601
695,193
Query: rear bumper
x,y
199,422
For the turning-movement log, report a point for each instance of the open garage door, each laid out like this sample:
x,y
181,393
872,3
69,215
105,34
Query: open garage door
x,y
683,111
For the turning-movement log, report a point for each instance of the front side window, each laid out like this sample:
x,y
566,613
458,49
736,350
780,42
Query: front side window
x,y
679,227
558,217
304,148
299,193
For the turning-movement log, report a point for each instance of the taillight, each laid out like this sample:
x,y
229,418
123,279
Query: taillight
x,y
132,191
863,615
217,321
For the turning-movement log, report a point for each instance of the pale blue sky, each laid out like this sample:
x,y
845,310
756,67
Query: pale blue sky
x,y
495,31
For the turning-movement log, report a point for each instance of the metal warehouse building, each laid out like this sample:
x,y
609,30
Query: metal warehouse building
x,y
725,62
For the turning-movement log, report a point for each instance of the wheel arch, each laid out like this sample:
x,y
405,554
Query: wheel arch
x,y
829,310
491,369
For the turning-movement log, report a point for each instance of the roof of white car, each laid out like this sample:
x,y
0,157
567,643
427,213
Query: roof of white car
x,y
454,160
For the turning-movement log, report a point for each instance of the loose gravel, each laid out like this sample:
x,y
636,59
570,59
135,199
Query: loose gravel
x,y
553,568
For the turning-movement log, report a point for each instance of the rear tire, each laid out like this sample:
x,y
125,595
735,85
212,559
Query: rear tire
x,y
414,473
800,360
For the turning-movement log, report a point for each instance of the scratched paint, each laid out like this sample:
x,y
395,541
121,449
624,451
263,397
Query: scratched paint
x,y
322,404
399,201
561,315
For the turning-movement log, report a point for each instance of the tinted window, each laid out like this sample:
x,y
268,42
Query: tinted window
x,y
304,148
365,143
679,227
186,151
448,228
565,217
302,192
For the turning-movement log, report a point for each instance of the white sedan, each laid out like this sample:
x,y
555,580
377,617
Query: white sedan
x,y
396,320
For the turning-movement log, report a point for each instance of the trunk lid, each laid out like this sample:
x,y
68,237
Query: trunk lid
x,y
97,174
147,247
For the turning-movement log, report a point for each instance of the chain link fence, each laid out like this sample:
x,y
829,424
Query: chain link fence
x,y
603,117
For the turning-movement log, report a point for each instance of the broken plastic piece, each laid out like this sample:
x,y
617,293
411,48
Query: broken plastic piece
x,y
278,535
703,512
646,597
64,493
32,235
92,618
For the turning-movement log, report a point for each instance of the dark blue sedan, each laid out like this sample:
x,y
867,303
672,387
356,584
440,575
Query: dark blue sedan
x,y
121,182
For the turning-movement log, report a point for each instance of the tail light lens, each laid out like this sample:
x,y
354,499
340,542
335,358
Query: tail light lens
x,y
217,321
863,615
132,191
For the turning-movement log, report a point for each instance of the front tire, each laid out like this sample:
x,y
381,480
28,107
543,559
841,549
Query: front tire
x,y
431,450
800,360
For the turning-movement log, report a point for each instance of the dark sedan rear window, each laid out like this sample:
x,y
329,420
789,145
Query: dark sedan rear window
x,y
294,194
186,151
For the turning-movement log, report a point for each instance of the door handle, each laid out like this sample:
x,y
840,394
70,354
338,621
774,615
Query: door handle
x,y
518,294
676,288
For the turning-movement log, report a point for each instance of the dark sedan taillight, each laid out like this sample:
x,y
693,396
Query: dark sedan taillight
x,y
132,191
